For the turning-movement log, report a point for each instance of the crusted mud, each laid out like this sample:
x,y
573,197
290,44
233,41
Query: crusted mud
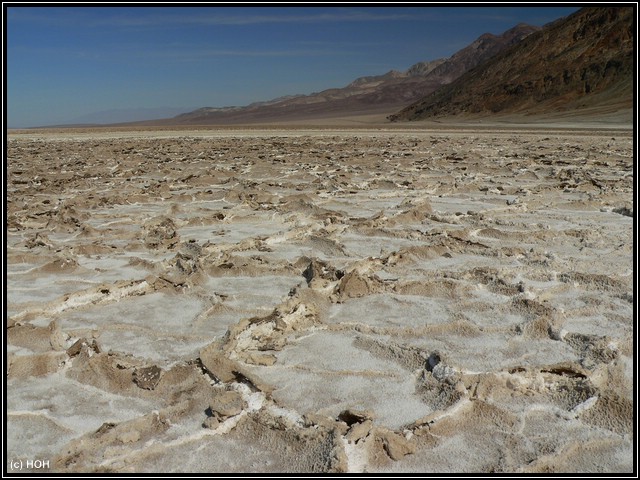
x,y
320,301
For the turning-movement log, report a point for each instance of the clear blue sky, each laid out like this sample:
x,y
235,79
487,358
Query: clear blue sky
x,y
66,62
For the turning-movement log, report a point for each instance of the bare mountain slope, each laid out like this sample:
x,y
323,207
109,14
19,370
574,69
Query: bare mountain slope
x,y
371,94
581,62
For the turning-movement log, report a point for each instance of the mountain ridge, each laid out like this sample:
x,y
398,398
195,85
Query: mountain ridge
x,y
583,60
375,93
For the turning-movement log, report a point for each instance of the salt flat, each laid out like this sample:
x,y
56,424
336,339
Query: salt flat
x,y
321,300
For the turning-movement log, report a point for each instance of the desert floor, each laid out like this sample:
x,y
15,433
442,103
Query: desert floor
x,y
320,300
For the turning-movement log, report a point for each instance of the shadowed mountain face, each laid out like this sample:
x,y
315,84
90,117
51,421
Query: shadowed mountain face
x,y
582,61
370,94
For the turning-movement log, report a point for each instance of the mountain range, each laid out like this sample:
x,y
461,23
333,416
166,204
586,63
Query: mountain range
x,y
585,61
371,94
580,63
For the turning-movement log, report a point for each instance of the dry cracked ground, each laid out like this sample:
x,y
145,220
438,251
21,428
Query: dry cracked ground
x,y
320,301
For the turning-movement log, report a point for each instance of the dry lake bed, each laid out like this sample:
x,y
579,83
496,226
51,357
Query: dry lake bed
x,y
317,300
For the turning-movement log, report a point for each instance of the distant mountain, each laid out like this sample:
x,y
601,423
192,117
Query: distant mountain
x,y
585,60
371,94
484,48
127,115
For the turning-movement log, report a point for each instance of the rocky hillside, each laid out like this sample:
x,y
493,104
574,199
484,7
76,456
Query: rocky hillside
x,y
582,61
371,94
484,48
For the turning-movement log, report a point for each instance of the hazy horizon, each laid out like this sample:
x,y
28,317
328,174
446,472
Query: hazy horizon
x,y
69,63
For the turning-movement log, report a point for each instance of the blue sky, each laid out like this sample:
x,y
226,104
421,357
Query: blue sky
x,y
63,63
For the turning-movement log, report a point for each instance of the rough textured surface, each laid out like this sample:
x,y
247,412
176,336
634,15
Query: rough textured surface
x,y
321,301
